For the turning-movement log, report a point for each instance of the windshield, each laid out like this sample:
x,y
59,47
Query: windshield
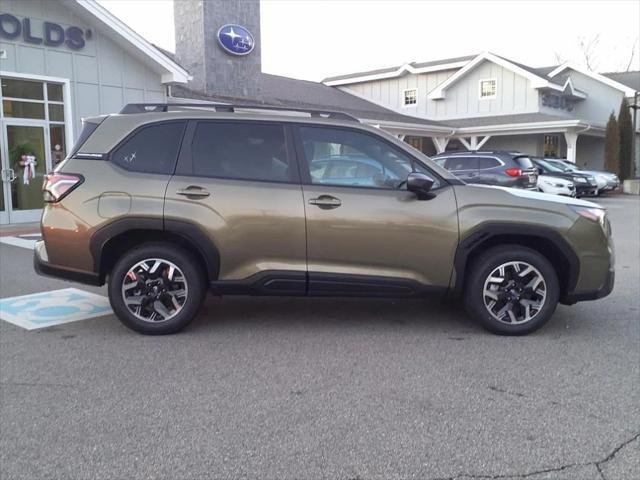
x,y
559,165
548,166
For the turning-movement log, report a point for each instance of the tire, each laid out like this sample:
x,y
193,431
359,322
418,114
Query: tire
x,y
484,271
179,300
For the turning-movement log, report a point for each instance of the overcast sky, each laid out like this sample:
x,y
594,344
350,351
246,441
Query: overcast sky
x,y
313,39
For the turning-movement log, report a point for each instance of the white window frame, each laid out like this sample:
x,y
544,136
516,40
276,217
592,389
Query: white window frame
x,y
403,98
66,100
490,97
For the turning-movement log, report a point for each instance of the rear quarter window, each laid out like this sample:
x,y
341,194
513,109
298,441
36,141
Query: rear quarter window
x,y
523,162
87,130
488,162
151,149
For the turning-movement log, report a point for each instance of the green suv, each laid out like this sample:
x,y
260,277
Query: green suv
x,y
164,202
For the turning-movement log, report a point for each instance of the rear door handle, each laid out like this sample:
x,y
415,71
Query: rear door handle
x,y
193,192
326,202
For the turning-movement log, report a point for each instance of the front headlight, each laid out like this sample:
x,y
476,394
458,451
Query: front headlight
x,y
594,214
579,179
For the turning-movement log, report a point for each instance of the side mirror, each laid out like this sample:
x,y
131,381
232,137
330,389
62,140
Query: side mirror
x,y
420,184
540,171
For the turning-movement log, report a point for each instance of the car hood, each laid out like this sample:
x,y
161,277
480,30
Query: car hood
x,y
553,178
519,192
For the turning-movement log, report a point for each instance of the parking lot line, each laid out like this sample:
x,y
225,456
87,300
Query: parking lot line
x,y
19,242
46,309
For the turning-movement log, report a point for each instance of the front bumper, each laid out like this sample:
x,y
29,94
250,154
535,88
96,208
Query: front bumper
x,y
42,267
603,291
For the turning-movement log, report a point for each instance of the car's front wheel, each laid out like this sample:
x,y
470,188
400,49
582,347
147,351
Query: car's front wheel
x,y
156,288
511,290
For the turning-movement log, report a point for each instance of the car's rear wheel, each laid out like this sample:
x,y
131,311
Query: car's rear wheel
x,y
156,288
511,290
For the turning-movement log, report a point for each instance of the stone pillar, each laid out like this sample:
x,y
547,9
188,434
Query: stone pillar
x,y
197,49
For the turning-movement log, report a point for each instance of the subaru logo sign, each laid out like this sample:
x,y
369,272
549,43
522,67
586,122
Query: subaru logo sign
x,y
236,39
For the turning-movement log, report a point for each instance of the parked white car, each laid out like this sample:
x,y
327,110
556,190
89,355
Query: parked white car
x,y
556,185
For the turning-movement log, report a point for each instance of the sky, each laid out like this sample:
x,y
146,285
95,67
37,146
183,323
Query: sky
x,y
314,39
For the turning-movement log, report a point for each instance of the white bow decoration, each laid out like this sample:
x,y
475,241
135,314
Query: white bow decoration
x,y
29,163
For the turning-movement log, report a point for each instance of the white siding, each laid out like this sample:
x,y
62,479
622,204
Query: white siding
x,y
514,93
103,75
601,99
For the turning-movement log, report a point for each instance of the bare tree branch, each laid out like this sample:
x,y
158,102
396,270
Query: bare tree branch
x,y
633,54
588,47
559,57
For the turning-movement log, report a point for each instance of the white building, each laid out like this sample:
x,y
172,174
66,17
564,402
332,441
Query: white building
x,y
61,61
491,102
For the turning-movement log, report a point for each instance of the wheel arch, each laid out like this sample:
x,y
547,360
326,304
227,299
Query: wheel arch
x,y
545,241
110,241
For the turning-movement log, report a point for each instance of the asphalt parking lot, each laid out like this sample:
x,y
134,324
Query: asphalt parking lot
x,y
324,388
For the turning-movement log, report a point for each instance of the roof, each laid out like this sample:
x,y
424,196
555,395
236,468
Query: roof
x,y
628,91
629,79
275,90
129,40
505,119
390,72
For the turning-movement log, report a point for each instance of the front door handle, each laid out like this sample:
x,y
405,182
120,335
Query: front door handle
x,y
326,202
193,191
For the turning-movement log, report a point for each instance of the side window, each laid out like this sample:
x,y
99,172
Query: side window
x,y
488,162
152,149
350,158
455,164
240,150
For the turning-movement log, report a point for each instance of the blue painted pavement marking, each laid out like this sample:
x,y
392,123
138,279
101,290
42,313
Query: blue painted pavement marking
x,y
41,310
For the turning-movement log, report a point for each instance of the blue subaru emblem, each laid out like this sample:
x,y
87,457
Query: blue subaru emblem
x,y
235,39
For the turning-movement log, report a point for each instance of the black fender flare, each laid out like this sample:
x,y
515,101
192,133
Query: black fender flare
x,y
188,231
487,231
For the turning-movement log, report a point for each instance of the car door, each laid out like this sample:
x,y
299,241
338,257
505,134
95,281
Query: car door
x,y
465,168
488,172
238,182
366,233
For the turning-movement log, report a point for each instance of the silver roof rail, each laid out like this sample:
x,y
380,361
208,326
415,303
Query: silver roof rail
x,y
131,108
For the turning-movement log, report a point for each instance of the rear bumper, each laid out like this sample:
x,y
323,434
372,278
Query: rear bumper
x,y
42,267
603,291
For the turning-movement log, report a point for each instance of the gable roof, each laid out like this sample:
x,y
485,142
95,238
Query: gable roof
x,y
629,79
538,80
275,90
392,72
629,92
131,41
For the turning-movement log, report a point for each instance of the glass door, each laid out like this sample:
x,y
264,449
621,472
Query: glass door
x,y
4,171
26,160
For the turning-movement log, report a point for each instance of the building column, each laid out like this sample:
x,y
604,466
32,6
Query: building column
x,y
440,143
572,141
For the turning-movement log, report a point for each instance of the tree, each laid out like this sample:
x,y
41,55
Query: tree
x,y
612,146
625,129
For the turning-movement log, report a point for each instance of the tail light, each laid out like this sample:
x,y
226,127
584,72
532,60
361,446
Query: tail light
x,y
513,172
56,186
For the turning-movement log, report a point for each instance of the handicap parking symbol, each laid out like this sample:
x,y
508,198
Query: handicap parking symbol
x,y
46,309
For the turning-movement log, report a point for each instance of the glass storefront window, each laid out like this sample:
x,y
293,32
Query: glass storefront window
x,y
22,89
15,109
56,113
54,92
58,149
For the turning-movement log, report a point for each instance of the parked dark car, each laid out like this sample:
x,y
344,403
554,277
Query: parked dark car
x,y
585,183
505,169
611,179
